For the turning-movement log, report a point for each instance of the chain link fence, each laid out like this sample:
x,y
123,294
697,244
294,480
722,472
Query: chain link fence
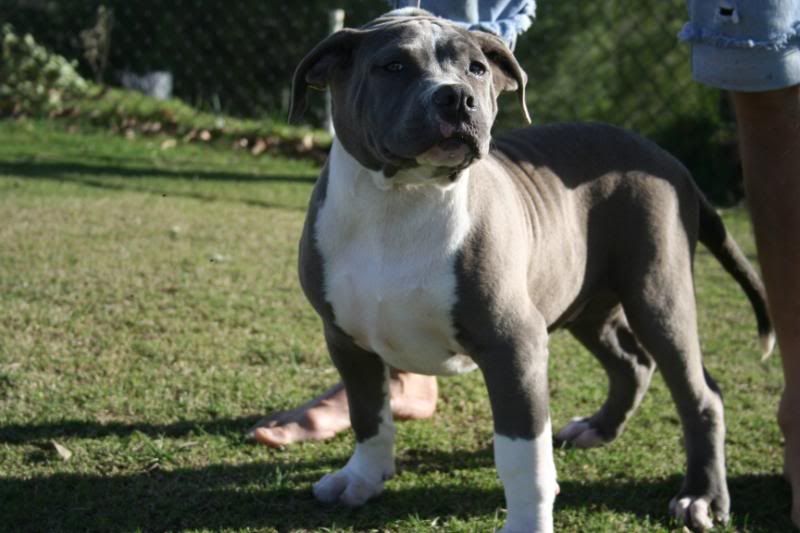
x,y
616,61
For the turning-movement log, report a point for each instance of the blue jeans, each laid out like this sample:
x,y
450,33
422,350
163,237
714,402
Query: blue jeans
x,y
505,18
744,45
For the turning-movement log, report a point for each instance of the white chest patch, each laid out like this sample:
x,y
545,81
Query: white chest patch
x,y
388,254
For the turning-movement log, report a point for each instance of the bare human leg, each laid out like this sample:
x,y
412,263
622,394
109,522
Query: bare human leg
x,y
769,137
413,397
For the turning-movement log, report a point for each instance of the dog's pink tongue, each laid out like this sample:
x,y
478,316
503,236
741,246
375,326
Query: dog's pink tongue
x,y
446,129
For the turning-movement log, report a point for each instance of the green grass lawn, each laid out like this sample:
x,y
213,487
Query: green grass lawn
x,y
150,312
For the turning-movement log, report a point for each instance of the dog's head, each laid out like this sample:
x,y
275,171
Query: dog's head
x,y
411,89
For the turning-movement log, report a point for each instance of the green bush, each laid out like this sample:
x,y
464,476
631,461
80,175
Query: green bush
x,y
34,81
37,82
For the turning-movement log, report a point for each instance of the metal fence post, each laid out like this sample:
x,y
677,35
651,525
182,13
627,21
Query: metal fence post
x,y
336,23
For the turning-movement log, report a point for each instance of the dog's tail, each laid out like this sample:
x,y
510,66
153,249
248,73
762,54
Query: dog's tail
x,y
719,242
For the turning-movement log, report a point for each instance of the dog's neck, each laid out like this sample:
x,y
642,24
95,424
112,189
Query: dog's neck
x,y
407,212
342,164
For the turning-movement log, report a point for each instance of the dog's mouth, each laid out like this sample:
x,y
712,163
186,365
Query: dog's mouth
x,y
443,152
456,150
454,144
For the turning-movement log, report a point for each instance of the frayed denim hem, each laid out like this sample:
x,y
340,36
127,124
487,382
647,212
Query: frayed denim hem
x,y
695,34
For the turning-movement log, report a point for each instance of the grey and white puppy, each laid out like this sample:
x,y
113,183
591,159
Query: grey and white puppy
x,y
431,248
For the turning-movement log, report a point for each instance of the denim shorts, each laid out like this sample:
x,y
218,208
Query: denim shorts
x,y
744,45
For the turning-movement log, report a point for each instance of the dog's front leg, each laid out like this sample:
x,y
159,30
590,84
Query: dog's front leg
x,y
515,371
366,381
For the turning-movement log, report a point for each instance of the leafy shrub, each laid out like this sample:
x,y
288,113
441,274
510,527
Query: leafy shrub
x,y
34,81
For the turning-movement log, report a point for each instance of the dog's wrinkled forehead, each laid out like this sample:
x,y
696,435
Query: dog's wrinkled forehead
x,y
404,16
424,47
418,32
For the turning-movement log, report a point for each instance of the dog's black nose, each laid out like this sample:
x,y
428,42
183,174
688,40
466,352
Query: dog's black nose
x,y
454,101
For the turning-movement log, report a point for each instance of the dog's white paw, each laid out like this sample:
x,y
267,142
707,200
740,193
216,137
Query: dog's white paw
x,y
506,529
362,477
548,528
581,434
694,513
345,486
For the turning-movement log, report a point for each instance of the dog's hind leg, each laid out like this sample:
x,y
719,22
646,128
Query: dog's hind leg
x,y
660,305
629,368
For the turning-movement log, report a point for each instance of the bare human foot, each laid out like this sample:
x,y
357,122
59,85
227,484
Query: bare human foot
x,y
319,419
413,397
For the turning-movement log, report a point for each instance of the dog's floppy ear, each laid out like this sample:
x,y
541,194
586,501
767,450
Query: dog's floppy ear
x,y
316,68
506,72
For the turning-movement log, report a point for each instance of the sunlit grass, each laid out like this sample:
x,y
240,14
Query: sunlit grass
x,y
149,312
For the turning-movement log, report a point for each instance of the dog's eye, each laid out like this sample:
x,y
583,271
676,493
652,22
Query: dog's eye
x,y
394,66
477,69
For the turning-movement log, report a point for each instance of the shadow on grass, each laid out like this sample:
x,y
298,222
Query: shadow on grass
x,y
266,496
31,433
135,179
61,169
